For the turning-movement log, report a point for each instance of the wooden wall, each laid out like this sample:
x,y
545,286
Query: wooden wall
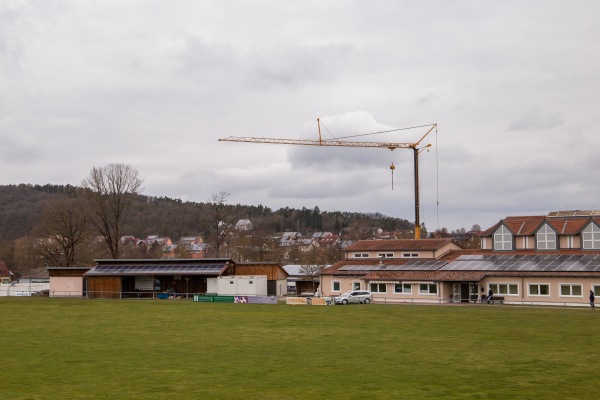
x,y
104,287
274,272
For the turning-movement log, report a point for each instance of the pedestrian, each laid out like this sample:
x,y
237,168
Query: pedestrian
x,y
490,295
592,298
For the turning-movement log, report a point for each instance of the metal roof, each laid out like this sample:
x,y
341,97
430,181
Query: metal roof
x,y
158,269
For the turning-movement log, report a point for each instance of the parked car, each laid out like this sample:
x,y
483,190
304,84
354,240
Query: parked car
x,y
355,296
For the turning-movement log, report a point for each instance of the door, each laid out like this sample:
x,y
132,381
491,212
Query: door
x,y
456,296
464,292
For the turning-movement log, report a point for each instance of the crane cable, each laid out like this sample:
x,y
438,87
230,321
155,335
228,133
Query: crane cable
x,y
437,178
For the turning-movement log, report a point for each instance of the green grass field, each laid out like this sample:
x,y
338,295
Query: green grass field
x,y
97,349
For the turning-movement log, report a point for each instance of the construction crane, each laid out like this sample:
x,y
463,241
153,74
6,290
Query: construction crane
x,y
340,142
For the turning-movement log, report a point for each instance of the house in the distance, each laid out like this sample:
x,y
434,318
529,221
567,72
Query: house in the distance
x,y
6,277
244,225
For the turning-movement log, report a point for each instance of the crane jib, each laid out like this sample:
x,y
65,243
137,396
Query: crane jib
x,y
324,142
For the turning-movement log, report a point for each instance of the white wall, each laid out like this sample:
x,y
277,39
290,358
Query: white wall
x,y
61,286
238,285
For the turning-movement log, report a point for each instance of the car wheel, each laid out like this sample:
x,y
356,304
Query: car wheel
x,y
344,302
367,301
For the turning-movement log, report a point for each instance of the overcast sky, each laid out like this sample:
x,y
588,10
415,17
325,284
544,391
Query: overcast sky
x,y
514,87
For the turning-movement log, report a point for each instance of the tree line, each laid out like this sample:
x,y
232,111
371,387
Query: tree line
x,y
65,225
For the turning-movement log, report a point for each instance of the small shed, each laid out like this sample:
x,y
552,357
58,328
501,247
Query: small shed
x,y
67,281
238,285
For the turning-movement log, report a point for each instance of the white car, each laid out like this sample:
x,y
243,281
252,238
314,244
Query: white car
x,y
355,296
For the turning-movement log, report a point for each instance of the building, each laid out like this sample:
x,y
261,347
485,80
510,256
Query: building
x,y
366,256
299,283
67,281
244,225
238,285
6,277
544,260
276,275
179,277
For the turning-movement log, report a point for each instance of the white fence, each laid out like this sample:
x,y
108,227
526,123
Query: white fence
x,y
22,289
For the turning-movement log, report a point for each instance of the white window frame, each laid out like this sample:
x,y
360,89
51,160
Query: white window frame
x,y
590,237
530,285
410,255
361,255
385,255
405,286
546,238
570,285
333,289
500,239
356,285
428,292
384,285
495,286
596,289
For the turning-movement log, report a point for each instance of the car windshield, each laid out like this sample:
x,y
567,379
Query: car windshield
x,y
348,293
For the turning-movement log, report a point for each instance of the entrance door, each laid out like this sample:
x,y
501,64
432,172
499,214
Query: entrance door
x,y
464,292
456,296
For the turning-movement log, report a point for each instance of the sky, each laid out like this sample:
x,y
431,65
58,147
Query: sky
x,y
513,86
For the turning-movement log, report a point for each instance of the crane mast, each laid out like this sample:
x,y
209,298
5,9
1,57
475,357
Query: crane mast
x,y
350,143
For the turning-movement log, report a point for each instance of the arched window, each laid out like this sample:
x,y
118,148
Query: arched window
x,y
546,238
503,239
590,237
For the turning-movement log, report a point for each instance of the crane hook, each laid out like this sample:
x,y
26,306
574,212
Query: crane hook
x,y
392,168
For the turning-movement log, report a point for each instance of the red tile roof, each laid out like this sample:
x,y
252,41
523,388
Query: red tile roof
x,y
399,245
4,271
528,225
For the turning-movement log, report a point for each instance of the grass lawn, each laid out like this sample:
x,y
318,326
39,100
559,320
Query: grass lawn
x,y
150,349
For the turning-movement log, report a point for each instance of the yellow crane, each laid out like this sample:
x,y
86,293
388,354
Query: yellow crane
x,y
340,142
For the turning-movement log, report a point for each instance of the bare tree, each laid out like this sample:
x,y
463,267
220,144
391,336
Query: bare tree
x,y
62,232
312,271
110,191
223,227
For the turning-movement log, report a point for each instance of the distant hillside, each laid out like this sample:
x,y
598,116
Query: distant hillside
x,y
21,205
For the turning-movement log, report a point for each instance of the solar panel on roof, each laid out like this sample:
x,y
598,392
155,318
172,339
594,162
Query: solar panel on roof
x,y
158,269
547,262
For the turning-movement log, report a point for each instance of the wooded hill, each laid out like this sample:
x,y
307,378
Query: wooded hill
x,y
22,208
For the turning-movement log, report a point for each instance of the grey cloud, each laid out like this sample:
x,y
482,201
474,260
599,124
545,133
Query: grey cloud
x,y
534,120
298,65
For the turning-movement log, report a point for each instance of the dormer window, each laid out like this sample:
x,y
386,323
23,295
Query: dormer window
x,y
546,238
503,239
590,237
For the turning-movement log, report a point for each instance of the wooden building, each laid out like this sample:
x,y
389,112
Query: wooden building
x,y
177,277
147,278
